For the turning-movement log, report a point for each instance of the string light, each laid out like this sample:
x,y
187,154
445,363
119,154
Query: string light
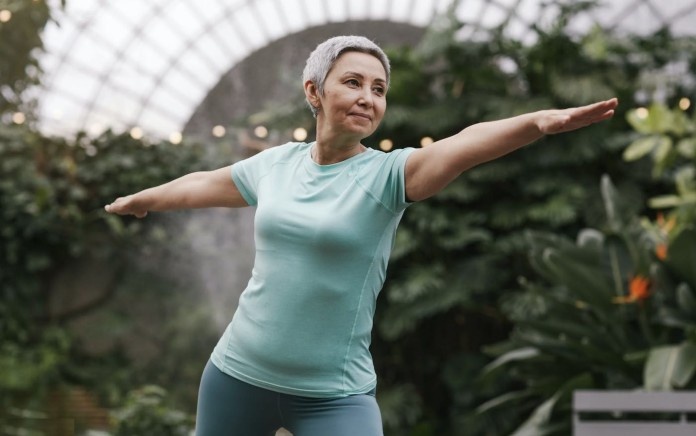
x,y
299,134
18,118
95,129
261,131
175,138
386,144
136,133
642,113
219,131
426,141
684,103
5,16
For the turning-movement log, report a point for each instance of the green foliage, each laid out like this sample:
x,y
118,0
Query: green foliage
x,y
670,367
20,39
146,412
584,324
668,137
25,366
602,323
52,194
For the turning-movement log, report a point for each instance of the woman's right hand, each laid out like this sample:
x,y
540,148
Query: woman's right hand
x,y
126,206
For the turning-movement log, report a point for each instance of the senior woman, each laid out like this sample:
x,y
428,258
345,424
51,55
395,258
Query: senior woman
x,y
296,353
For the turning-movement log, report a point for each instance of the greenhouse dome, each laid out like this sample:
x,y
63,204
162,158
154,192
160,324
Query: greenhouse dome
x,y
148,66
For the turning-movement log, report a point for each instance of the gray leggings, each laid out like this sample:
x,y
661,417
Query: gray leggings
x,y
230,407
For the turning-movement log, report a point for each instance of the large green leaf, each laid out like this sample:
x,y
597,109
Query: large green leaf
x,y
622,258
610,196
665,201
687,148
639,122
587,281
682,256
536,423
642,147
685,180
504,400
670,367
511,356
686,299
661,119
664,156
575,330
533,426
591,239
577,352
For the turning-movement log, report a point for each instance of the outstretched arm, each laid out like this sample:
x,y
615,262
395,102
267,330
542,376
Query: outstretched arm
x,y
192,191
430,169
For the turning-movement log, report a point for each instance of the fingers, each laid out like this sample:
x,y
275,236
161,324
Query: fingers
x,y
594,113
111,207
559,121
599,109
122,206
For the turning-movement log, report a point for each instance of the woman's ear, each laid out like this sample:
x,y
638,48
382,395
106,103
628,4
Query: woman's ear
x,y
312,94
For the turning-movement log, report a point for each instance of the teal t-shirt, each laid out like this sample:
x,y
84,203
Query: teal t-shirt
x,y
323,236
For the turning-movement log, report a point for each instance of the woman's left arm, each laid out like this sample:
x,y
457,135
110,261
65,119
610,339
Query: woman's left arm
x,y
430,169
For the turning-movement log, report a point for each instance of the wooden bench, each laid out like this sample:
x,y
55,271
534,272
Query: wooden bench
x,y
619,404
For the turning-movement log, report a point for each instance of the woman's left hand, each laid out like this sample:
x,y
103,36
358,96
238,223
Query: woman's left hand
x,y
564,120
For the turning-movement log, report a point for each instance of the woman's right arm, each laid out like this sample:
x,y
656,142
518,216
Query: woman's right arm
x,y
192,191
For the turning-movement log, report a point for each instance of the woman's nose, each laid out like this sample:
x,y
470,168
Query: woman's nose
x,y
365,98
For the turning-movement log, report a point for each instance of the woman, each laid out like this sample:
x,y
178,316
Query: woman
x,y
296,354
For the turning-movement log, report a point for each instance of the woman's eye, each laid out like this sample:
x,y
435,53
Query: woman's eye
x,y
353,82
379,90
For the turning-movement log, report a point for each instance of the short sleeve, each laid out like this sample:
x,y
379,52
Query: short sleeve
x,y
386,179
247,173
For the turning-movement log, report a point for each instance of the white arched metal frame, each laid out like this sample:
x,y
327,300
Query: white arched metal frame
x,y
149,63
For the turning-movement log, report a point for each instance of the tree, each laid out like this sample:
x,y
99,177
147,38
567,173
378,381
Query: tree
x,y
20,38
53,192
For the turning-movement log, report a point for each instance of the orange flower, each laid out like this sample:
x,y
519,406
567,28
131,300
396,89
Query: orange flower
x,y
661,251
638,290
666,226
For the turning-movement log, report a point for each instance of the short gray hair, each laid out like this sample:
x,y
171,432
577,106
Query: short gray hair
x,y
323,58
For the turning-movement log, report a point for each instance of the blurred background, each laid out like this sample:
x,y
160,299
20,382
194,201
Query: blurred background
x,y
568,265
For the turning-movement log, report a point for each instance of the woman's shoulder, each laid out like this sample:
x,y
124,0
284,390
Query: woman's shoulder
x,y
287,150
283,152
381,158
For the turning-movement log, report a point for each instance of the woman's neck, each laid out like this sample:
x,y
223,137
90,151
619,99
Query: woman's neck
x,y
330,149
326,155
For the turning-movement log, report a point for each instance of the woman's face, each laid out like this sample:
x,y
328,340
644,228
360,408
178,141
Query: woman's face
x,y
354,97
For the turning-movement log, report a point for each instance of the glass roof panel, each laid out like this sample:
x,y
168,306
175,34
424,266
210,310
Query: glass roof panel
x,y
315,11
94,49
379,9
161,34
270,15
112,27
152,62
291,11
253,29
359,9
